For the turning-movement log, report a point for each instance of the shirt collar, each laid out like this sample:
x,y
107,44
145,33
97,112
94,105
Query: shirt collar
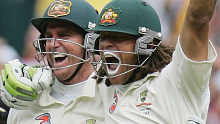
x,y
89,87
135,84
88,90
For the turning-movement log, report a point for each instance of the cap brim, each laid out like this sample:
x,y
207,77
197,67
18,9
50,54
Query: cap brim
x,y
40,23
107,29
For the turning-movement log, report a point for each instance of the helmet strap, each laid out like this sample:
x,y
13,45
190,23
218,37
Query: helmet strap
x,y
77,70
131,79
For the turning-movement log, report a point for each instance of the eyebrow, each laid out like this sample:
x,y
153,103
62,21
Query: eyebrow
x,y
63,30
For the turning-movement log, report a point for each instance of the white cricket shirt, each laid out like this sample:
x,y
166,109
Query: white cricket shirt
x,y
173,96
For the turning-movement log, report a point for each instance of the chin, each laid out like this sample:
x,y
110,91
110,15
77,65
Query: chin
x,y
60,72
116,81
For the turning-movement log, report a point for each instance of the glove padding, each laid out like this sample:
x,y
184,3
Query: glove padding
x,y
20,84
12,101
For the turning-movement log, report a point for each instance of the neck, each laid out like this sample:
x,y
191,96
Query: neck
x,y
83,74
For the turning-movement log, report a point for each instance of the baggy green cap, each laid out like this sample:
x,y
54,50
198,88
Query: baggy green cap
x,y
127,16
75,12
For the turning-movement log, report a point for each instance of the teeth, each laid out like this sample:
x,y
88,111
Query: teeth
x,y
56,55
107,56
110,70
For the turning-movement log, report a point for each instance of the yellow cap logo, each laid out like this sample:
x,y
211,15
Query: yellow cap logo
x,y
59,8
110,16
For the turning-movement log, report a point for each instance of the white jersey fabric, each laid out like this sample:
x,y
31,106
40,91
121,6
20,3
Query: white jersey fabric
x,y
66,93
179,93
86,108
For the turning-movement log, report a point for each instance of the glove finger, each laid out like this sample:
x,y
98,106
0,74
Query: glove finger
x,y
6,95
2,110
42,79
17,68
6,101
13,102
19,107
19,93
15,93
22,102
27,82
25,79
30,71
2,95
16,84
16,63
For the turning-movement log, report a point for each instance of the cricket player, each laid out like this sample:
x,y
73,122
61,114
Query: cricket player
x,y
61,91
141,80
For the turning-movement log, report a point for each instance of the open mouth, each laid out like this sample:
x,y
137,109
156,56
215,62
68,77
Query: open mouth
x,y
113,63
59,58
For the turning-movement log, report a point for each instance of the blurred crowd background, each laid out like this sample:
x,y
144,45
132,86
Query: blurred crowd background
x,y
17,36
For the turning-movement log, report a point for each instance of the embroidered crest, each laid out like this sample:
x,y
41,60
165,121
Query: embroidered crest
x,y
144,101
59,8
113,106
110,16
90,121
44,117
143,95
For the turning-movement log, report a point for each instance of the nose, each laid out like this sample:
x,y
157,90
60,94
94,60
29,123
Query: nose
x,y
106,44
53,42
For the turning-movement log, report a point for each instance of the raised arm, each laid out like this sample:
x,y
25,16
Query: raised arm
x,y
195,29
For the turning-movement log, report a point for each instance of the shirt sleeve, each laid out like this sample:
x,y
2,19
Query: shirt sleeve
x,y
193,75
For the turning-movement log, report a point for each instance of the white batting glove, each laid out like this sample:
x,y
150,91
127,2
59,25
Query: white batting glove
x,y
20,84
12,101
